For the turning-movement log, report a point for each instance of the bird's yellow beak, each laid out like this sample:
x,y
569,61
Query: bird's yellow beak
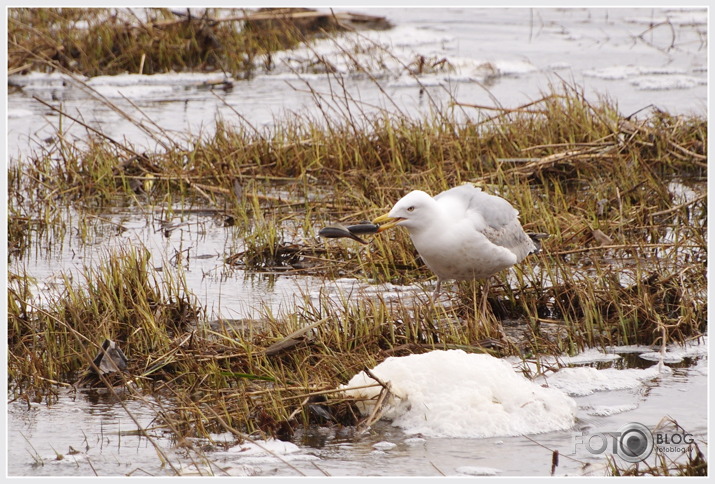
x,y
386,222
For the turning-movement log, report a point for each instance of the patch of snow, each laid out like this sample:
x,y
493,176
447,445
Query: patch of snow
x,y
664,83
266,451
588,380
608,410
384,445
19,113
477,471
457,394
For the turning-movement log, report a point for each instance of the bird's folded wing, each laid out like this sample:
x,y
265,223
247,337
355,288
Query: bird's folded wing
x,y
491,215
479,206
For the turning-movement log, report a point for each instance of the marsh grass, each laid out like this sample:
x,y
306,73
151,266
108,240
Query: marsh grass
x,y
103,41
214,380
121,299
277,187
625,263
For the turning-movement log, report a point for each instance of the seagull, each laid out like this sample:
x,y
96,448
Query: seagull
x,y
462,233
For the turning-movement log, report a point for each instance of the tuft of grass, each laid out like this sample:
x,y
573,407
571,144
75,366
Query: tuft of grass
x,y
119,299
104,41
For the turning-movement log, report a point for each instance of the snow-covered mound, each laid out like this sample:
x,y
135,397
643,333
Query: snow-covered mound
x,y
458,394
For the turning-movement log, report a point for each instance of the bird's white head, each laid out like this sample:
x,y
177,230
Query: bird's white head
x,y
414,211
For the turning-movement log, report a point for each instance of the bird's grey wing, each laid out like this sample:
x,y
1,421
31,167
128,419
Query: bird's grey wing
x,y
501,218
511,236
495,211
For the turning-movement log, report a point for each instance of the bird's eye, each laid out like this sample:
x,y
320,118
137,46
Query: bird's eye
x,y
410,209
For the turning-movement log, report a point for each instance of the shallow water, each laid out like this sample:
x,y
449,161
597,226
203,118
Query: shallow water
x,y
100,430
504,56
